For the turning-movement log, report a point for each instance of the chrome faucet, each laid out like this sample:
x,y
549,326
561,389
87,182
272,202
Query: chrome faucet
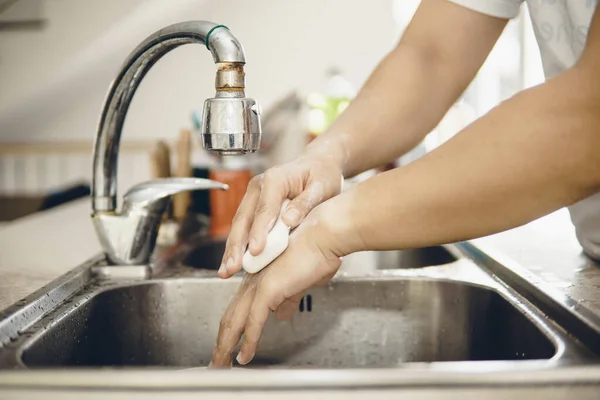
x,y
230,126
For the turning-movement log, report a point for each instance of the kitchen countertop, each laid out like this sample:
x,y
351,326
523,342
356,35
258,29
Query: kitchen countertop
x,y
36,249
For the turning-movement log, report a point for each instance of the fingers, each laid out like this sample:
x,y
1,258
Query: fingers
x,y
268,297
274,191
288,308
238,237
299,208
232,326
300,267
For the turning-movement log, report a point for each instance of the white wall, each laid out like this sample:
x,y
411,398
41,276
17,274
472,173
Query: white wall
x,y
29,58
289,44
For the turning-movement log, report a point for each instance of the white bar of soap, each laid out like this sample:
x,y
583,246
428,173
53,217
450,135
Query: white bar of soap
x,y
277,242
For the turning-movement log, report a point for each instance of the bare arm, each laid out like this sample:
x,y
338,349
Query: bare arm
x,y
529,156
413,87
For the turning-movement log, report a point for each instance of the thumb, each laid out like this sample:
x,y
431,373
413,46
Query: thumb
x,y
299,208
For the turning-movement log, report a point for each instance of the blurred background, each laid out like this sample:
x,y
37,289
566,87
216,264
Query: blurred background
x,y
305,61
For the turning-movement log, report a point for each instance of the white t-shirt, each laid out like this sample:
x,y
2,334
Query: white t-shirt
x,y
561,28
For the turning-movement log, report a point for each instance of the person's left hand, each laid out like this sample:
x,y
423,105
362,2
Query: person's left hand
x,y
312,258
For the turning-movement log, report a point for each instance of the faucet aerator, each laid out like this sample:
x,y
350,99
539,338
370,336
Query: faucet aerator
x,y
231,126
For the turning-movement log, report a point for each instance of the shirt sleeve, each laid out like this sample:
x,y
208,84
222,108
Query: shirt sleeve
x,y
496,8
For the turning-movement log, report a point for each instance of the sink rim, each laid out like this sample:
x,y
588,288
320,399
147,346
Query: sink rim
x,y
169,379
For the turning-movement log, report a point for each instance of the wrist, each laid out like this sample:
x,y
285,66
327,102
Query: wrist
x,y
331,148
336,231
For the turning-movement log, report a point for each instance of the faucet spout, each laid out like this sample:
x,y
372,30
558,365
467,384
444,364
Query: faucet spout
x,y
231,125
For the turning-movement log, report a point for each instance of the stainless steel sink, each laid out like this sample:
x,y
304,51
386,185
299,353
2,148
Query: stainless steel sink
x,y
349,323
387,316
100,316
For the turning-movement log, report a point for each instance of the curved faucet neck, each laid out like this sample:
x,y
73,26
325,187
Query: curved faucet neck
x,y
227,53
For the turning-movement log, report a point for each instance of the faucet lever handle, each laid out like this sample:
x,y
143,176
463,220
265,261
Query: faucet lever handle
x,y
150,193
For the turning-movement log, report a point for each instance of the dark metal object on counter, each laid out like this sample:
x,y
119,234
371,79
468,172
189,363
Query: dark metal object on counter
x,y
13,207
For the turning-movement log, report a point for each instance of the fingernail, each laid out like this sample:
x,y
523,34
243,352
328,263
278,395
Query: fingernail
x,y
239,358
293,216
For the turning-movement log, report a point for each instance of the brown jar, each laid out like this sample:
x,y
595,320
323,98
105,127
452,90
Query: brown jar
x,y
224,203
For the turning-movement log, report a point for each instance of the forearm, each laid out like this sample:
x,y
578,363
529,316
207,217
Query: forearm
x,y
530,156
412,88
401,102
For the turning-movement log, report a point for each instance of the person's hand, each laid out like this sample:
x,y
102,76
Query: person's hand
x,y
307,181
312,258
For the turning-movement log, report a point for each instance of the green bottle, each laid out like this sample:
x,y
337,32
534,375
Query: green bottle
x,y
326,106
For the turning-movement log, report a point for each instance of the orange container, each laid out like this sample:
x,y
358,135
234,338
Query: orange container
x,y
224,203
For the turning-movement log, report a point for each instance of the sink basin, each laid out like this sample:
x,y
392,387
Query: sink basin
x,y
350,323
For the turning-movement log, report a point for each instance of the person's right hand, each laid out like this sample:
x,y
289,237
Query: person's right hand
x,y
307,181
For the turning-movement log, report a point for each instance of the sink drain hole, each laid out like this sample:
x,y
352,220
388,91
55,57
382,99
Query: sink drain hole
x,y
305,304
